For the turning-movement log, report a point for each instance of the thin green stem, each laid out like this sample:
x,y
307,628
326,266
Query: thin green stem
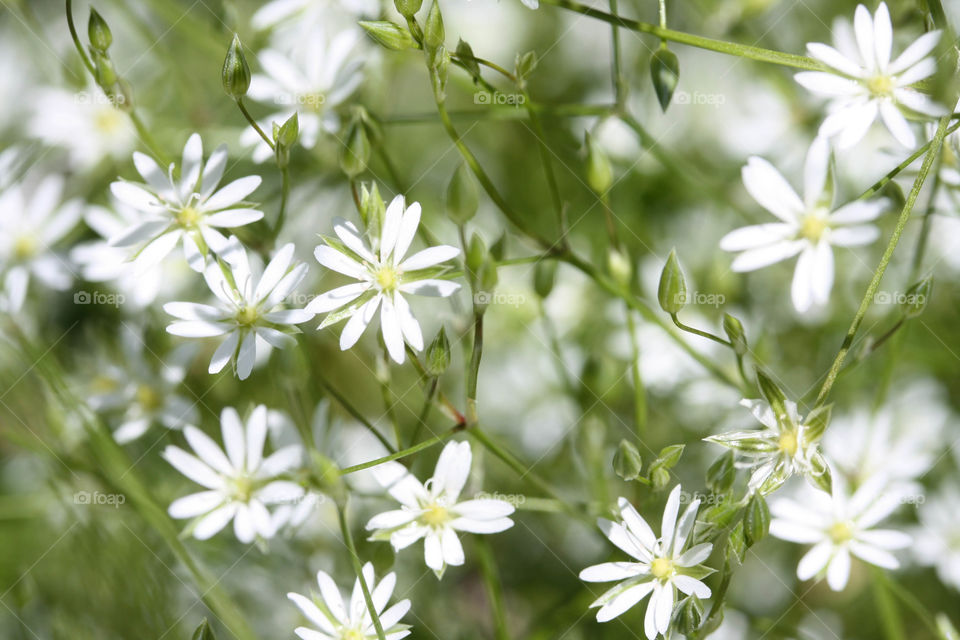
x,y
420,446
284,196
76,39
491,580
616,63
425,410
358,569
698,332
253,123
893,173
473,369
865,303
547,163
887,610
353,411
389,401
639,392
908,598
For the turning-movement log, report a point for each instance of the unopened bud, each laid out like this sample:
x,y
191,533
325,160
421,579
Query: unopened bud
x,y
627,462
438,354
599,170
235,75
390,35
98,32
672,292
462,195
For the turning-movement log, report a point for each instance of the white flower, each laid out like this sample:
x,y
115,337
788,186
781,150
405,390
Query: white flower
x,y
807,226
784,447
531,4
249,310
431,510
938,536
662,565
240,484
309,13
190,209
86,123
863,83
32,221
311,81
338,620
384,277
839,525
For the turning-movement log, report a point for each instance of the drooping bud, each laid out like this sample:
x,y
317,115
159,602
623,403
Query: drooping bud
x,y
665,73
734,330
407,8
438,354
99,32
462,195
627,462
465,54
235,75
599,170
390,35
618,264
672,292
544,277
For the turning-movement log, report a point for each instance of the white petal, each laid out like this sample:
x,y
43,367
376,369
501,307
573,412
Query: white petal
x,y
920,71
453,468
636,524
207,450
192,467
351,237
234,439
765,256
814,560
232,193
861,119
281,460
312,612
801,291
331,596
429,257
233,217
886,539
695,555
433,551
897,124
197,329
256,436
833,58
670,511
770,190
392,333
815,171
430,287
336,261
858,211
190,164
336,298
391,227
224,353
839,570
915,52
134,196
624,601
882,36
827,84
471,525
452,549
873,555
195,504
274,271
853,236
214,521
357,323
863,26
691,586
247,355
664,608
610,571
755,236
408,229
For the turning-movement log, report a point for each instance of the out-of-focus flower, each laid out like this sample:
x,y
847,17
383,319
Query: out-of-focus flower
x,y
808,226
384,277
87,124
432,510
339,620
776,452
938,536
32,221
190,209
249,310
311,81
839,525
240,483
308,13
863,83
662,565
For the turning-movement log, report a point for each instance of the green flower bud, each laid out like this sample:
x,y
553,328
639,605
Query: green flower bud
x,y
476,254
462,195
99,32
407,8
465,54
756,520
103,70
734,330
235,75
659,478
665,72
627,462
390,35
355,152
722,473
689,615
773,395
433,34
599,170
917,297
523,66
438,354
672,292
372,207
203,632
618,264
284,137
544,277
736,545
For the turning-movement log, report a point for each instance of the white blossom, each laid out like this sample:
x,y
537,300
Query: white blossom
x,y
808,226
864,83
249,310
339,620
188,210
840,525
662,567
938,536
433,510
239,484
384,276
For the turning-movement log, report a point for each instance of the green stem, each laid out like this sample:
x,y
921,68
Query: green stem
x,y
908,598
358,569
865,303
474,368
253,123
491,580
639,393
426,444
76,39
388,399
698,332
886,608
425,410
616,64
284,196
353,411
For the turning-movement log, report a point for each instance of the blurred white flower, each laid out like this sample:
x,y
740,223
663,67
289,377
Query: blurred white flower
x,y
240,484
32,221
249,310
384,277
339,620
311,81
662,566
807,226
308,13
87,124
938,536
863,82
776,452
190,209
432,511
839,525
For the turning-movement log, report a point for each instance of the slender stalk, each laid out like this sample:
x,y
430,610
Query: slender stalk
x,y
547,163
491,580
420,446
474,368
887,610
389,401
639,392
425,410
358,569
353,411
865,303
616,64
698,332
284,197
908,598
253,123
76,39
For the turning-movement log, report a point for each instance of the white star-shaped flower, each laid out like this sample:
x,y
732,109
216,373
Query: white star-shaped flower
x,y
338,620
384,275
249,310
240,483
808,226
839,525
863,82
432,511
662,566
190,209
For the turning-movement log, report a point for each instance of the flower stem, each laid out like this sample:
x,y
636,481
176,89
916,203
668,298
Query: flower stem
x,y
425,410
353,411
76,39
932,153
253,123
491,579
639,392
420,446
698,332
474,368
284,196
358,569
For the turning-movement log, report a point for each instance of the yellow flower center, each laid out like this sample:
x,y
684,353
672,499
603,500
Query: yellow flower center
x,y
148,398
24,247
243,487
435,515
188,216
387,278
103,384
108,120
352,634
840,532
881,85
661,568
247,316
813,226
789,443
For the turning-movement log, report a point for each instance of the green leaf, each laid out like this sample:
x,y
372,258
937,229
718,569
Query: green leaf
x,y
672,292
816,423
665,73
627,462
438,354
773,395
736,544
